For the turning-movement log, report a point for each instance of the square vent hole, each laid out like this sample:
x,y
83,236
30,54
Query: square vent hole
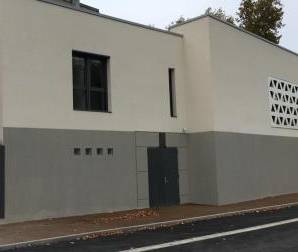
x,y
110,151
88,151
99,151
77,151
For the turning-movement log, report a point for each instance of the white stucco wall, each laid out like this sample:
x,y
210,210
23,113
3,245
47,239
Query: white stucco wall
x,y
227,72
221,73
241,66
200,84
37,40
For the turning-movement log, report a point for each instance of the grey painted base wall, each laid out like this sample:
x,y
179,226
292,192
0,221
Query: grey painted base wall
x,y
230,167
45,179
202,168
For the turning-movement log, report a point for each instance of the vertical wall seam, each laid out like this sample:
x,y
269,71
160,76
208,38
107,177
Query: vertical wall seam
x,y
216,166
187,166
136,166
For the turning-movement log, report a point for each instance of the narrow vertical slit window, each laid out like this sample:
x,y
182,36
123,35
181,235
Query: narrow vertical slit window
x,y
172,90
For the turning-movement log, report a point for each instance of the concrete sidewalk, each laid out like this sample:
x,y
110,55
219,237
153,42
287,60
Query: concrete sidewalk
x,y
91,226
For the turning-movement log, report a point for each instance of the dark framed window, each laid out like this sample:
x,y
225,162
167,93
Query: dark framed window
x,y
90,82
172,92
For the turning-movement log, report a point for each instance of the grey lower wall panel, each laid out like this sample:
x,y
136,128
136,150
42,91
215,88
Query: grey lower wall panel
x,y
147,139
176,140
228,168
2,182
255,166
183,159
142,159
143,186
184,187
45,179
202,168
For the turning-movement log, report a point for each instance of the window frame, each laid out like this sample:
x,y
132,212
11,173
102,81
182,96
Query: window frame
x,y
88,89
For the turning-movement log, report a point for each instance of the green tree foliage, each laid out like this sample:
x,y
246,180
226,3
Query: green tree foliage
x,y
262,17
180,20
220,13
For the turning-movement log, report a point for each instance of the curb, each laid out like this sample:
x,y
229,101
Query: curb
x,y
130,229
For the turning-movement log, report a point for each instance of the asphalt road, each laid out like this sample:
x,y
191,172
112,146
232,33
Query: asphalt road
x,y
278,238
281,239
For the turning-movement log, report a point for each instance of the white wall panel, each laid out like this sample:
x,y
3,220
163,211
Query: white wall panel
x,y
241,66
36,70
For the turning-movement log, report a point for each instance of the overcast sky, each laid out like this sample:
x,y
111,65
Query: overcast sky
x,y
161,12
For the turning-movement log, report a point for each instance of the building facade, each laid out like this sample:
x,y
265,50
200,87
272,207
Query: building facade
x,y
99,114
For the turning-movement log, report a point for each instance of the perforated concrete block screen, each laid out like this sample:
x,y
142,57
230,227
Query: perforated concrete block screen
x,y
283,98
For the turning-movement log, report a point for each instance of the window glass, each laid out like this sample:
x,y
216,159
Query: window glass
x,y
78,72
90,82
172,92
97,73
97,100
79,99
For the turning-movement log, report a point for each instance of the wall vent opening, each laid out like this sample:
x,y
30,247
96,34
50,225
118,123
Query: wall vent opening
x,y
283,97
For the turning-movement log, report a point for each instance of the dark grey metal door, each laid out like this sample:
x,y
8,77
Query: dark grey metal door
x,y
163,177
2,181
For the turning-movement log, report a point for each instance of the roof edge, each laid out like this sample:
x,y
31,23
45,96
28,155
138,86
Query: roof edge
x,y
111,18
88,7
190,20
235,27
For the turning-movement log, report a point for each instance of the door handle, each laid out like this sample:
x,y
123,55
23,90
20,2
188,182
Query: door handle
x,y
166,180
